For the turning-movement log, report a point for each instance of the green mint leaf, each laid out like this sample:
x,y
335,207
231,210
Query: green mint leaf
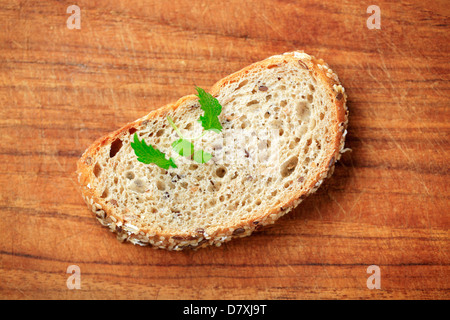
x,y
212,108
183,147
147,154
201,156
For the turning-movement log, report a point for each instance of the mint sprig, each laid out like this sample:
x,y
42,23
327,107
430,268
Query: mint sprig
x,y
184,147
147,154
212,109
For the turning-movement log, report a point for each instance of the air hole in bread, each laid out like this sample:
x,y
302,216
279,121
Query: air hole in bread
x,y
234,176
160,132
289,166
129,175
217,185
301,109
221,172
160,185
138,186
116,145
283,103
97,170
234,206
241,84
288,184
104,194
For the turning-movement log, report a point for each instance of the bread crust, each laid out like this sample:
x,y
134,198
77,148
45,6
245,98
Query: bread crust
x,y
106,212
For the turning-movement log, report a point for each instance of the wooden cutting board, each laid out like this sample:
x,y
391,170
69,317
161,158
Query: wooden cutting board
x,y
386,205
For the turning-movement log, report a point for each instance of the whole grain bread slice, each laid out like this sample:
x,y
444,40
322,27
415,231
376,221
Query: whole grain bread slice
x,y
284,123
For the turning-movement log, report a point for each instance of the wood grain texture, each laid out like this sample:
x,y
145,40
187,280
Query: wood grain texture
x,y
387,203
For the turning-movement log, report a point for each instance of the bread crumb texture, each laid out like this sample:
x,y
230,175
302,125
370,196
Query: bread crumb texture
x,y
284,122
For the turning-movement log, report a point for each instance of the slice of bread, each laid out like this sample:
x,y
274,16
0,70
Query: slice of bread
x,y
284,123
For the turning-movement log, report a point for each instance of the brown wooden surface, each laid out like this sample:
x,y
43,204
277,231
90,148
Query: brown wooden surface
x,y
387,203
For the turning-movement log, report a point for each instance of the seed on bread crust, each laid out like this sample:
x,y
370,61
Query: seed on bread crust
x,y
238,231
303,65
